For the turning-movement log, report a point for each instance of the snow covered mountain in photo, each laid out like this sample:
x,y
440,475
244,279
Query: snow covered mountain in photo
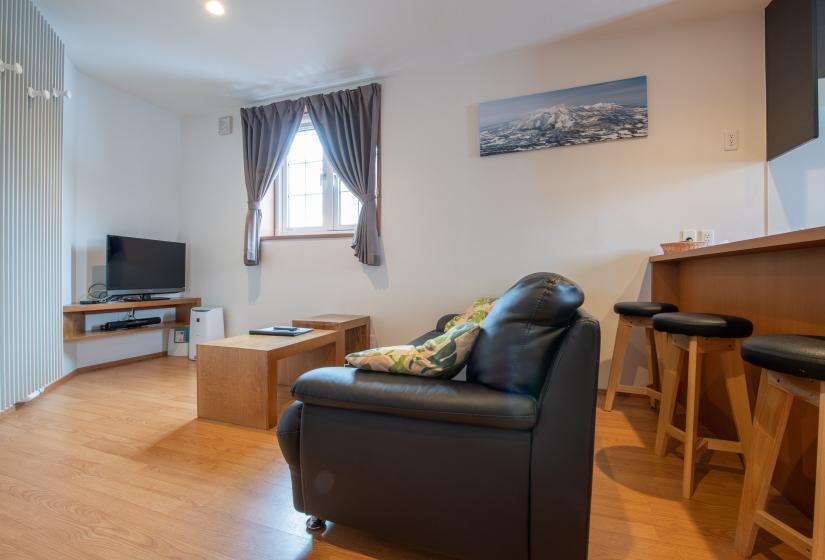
x,y
564,125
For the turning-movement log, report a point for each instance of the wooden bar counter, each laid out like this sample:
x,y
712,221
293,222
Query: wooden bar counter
x,y
778,282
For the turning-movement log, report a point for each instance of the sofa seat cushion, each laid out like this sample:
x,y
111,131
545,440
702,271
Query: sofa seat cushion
x,y
440,357
427,399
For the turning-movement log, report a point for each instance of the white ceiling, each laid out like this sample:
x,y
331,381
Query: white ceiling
x,y
177,56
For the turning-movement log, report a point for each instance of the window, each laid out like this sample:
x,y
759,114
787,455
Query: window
x,y
308,197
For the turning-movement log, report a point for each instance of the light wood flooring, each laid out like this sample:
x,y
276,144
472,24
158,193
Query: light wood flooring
x,y
114,464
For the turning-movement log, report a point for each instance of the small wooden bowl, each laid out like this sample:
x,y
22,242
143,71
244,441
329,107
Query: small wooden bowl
x,y
679,246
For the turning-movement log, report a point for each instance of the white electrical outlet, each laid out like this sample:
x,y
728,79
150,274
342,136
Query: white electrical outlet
x,y
706,235
687,235
731,140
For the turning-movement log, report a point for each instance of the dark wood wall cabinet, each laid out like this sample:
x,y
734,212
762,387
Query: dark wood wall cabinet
x,y
794,60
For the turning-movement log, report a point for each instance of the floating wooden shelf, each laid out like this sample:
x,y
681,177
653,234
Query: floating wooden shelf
x,y
91,335
74,317
126,305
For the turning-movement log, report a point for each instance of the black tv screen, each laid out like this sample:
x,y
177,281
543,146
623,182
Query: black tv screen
x,y
144,266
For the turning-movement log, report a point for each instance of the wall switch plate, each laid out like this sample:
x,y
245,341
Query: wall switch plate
x,y
225,125
731,140
706,235
687,235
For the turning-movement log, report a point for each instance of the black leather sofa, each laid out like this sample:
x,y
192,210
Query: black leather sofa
x,y
496,467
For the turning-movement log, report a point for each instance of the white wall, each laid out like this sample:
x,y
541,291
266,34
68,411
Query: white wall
x,y
796,183
121,176
457,226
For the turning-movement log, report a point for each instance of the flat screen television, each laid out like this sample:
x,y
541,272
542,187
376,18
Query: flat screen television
x,y
142,267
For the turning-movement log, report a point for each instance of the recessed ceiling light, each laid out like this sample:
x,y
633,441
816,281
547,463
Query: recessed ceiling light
x,y
215,8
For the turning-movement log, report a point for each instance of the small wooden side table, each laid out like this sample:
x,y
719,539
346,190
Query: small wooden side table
x,y
356,328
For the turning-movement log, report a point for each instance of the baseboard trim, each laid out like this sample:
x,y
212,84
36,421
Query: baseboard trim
x,y
122,362
9,410
50,387
55,384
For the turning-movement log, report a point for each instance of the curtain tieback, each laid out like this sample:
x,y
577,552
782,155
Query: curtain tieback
x,y
371,200
253,205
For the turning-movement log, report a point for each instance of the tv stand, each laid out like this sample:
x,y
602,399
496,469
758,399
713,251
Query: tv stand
x,y
74,316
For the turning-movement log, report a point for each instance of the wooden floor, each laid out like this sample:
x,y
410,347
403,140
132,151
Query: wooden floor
x,y
113,464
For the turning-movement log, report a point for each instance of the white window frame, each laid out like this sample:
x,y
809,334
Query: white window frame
x,y
331,196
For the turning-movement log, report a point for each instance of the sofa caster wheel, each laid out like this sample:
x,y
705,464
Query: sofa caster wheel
x,y
315,523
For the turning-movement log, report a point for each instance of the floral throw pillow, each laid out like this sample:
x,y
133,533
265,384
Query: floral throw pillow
x,y
476,313
444,354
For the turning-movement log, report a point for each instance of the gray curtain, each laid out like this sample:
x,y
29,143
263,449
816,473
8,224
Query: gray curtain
x,y
267,135
348,125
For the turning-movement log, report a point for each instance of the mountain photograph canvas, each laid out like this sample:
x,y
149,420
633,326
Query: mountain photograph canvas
x,y
567,117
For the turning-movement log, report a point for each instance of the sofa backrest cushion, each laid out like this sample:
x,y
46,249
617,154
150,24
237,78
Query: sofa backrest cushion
x,y
519,338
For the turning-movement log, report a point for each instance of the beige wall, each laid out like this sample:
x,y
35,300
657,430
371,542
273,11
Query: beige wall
x,y
457,226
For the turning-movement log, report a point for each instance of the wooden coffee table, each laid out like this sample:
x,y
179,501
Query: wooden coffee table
x,y
356,328
246,379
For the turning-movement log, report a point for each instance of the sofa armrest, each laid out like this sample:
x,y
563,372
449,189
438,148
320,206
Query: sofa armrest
x,y
415,397
444,320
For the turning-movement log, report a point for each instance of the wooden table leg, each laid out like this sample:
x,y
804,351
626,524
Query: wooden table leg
x,y
236,386
357,339
289,369
341,347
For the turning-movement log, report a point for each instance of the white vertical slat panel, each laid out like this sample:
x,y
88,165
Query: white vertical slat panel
x,y
31,151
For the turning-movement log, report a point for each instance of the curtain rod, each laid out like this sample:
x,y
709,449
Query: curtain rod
x,y
297,94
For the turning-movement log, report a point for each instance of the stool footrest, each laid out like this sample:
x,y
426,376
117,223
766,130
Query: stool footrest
x,y
675,433
725,445
631,390
785,532
713,444
646,391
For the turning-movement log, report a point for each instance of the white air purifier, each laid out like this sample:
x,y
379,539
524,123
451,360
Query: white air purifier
x,y
205,324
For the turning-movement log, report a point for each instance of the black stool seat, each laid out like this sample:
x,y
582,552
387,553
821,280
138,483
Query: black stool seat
x,y
803,356
703,324
643,308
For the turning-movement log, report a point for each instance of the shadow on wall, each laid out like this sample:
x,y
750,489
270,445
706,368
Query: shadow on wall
x,y
797,182
253,284
90,259
378,275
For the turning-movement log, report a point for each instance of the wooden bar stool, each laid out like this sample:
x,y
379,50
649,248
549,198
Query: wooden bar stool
x,y
635,314
692,336
792,367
